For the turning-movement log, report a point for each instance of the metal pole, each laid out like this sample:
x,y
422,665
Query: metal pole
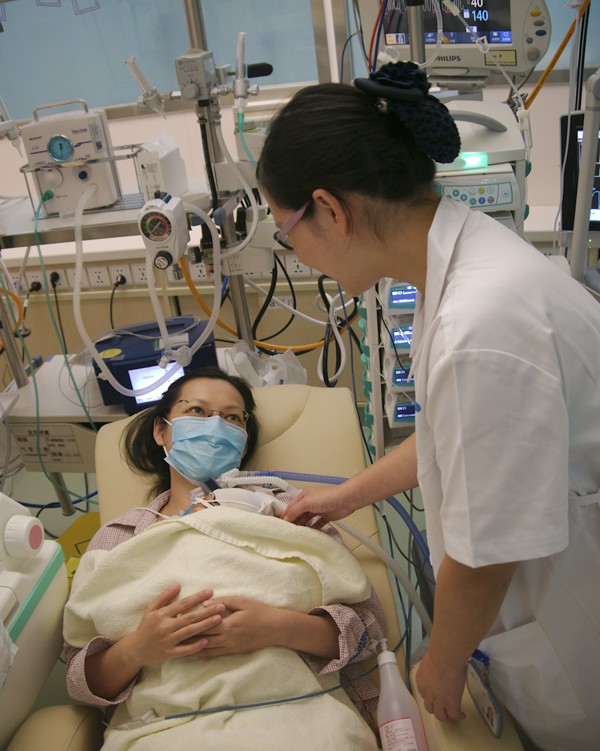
x,y
585,183
14,361
415,30
63,497
195,24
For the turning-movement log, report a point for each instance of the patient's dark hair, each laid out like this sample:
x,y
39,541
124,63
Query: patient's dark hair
x,y
145,456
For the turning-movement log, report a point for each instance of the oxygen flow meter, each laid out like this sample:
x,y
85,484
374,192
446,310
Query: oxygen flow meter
x,y
164,228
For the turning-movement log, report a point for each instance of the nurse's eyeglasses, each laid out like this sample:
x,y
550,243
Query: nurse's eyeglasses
x,y
282,236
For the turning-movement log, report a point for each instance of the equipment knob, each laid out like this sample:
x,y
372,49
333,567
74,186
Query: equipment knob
x,y
52,178
163,259
190,91
23,536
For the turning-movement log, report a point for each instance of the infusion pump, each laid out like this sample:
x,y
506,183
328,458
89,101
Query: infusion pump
x,y
489,173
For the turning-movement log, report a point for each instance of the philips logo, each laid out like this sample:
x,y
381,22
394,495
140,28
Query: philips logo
x,y
449,58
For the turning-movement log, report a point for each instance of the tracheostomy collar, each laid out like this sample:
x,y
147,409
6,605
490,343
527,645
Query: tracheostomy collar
x,y
204,447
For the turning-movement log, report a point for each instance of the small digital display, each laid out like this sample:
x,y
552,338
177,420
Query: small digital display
x,y
489,18
571,144
402,337
404,411
595,208
403,297
400,376
142,377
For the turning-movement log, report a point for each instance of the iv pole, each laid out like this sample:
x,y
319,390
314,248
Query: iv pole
x,y
207,116
585,182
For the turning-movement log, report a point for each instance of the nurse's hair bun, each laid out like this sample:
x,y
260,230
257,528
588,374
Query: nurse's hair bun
x,y
402,89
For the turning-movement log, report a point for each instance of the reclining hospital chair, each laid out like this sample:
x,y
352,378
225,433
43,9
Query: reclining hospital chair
x,y
304,429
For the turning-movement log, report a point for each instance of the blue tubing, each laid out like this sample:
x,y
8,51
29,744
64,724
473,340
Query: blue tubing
x,y
332,480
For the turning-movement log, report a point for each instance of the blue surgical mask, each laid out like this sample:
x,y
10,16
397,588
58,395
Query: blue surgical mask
x,y
204,447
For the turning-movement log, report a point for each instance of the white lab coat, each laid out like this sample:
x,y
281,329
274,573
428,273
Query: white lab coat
x,y
506,359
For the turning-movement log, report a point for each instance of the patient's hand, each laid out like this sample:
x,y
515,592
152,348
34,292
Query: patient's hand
x,y
246,625
174,628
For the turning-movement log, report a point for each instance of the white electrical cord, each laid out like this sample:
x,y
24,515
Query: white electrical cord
x,y
338,337
282,304
247,189
216,242
160,318
21,274
7,276
78,227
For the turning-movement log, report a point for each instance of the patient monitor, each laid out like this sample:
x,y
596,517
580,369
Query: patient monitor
x,y
517,34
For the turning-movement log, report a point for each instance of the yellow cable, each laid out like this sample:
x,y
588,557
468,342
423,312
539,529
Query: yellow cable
x,y
280,348
21,310
536,89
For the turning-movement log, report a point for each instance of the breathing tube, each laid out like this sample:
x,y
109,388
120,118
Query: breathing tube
x,y
78,222
279,479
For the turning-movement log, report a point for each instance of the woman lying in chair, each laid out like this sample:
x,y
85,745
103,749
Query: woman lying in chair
x,y
206,613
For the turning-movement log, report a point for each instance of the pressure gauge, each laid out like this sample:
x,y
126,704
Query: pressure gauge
x,y
164,229
156,226
60,148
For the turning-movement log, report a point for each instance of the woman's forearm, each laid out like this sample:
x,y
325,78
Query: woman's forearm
x,y
109,672
317,635
467,601
393,473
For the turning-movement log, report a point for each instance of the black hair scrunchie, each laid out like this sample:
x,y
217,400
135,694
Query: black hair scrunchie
x,y
402,89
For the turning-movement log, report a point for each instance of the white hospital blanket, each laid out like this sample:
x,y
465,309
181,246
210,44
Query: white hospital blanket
x,y
233,553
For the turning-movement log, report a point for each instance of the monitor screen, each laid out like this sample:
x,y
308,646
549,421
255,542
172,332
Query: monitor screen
x,y
142,377
489,18
571,142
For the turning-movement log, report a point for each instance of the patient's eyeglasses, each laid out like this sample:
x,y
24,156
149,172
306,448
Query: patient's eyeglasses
x,y
232,415
282,236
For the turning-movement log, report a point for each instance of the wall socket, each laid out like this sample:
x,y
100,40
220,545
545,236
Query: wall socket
x,y
98,276
123,269
198,271
62,282
295,267
35,275
139,273
71,277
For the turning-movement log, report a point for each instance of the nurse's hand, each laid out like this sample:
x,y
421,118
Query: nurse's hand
x,y
441,691
172,627
317,506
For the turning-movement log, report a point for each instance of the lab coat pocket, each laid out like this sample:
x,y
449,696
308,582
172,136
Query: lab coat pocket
x,y
527,675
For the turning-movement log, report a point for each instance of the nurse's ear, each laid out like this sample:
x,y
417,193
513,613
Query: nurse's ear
x,y
331,213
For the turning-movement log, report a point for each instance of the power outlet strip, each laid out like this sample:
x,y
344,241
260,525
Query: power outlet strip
x,y
98,276
115,270
295,267
71,277
139,273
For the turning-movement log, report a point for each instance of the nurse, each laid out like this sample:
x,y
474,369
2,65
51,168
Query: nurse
x,y
506,362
